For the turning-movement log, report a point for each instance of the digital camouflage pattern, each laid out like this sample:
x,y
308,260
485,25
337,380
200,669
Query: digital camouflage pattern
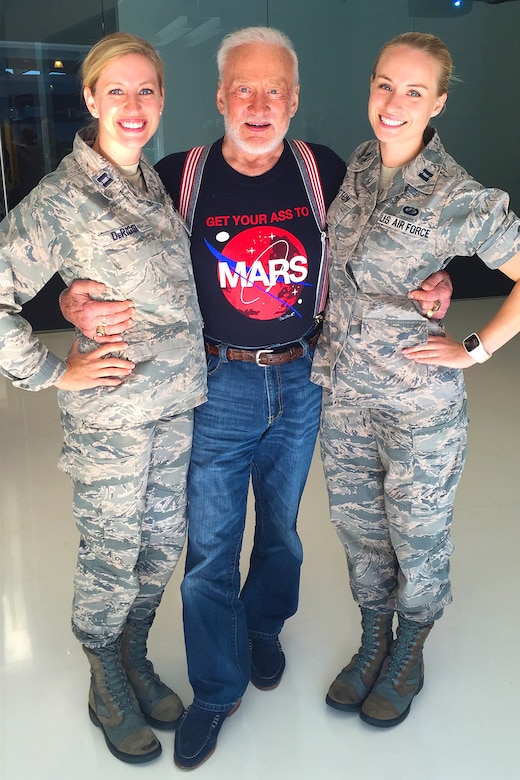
x,y
130,509
391,481
126,448
384,245
88,222
394,432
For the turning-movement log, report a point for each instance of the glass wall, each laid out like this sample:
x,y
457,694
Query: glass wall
x,y
337,41
41,48
40,110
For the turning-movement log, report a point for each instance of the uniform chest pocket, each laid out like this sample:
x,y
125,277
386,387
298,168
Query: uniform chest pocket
x,y
129,245
402,235
344,207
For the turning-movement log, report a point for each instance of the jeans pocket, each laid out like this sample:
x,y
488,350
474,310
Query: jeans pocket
x,y
213,363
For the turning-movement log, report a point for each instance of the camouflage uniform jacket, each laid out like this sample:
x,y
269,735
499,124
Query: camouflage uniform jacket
x,y
384,244
87,222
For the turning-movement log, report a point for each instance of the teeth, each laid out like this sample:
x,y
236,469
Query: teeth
x,y
133,125
391,122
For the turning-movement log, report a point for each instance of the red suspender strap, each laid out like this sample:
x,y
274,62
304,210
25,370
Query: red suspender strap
x,y
190,182
311,178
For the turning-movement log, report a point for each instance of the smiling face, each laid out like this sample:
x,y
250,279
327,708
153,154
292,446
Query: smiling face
x,y
403,97
257,97
128,101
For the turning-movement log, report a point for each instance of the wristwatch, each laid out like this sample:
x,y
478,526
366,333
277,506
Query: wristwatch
x,y
475,348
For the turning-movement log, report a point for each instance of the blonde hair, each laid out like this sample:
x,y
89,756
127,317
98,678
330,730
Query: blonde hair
x,y
117,45
249,35
429,44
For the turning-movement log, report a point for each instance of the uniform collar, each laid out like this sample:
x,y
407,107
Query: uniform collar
x,y
103,175
421,173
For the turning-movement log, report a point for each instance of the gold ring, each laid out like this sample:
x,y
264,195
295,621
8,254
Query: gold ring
x,y
436,306
100,330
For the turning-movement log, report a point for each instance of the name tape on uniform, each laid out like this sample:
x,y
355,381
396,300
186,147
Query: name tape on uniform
x,y
398,223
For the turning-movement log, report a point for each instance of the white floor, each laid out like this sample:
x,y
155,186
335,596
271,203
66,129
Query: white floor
x,y
465,723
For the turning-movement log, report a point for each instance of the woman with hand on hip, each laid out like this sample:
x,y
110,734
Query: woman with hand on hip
x,y
394,421
127,407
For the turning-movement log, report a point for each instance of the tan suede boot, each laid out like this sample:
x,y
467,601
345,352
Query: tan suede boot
x,y
401,677
161,706
354,682
113,707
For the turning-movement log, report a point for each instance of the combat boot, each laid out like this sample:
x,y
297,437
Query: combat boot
x,y
401,677
353,684
113,707
160,705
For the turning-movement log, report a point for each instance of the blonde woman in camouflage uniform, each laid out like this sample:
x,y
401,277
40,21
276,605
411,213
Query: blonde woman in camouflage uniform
x,y
394,428
127,407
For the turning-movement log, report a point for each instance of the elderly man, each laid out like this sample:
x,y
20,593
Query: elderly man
x,y
255,204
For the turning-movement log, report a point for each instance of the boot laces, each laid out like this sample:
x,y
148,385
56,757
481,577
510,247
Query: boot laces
x,y
402,649
116,680
138,649
373,630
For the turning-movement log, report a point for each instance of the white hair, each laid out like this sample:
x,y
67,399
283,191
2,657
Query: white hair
x,y
249,35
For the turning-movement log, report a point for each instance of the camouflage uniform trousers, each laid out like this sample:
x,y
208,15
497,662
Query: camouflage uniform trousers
x,y
391,480
130,507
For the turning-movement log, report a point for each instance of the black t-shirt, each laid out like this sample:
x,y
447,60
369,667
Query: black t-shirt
x,y
255,246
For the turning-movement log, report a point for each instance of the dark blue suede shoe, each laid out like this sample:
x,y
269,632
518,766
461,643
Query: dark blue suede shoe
x,y
267,663
196,735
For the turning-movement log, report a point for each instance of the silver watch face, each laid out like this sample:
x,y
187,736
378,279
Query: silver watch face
x,y
471,342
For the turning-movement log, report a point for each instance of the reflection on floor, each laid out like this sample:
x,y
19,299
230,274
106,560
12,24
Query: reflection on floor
x,y
465,723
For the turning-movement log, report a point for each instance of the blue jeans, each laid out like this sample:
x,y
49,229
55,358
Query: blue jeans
x,y
259,422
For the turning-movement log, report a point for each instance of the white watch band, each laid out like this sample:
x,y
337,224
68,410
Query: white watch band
x,y
475,349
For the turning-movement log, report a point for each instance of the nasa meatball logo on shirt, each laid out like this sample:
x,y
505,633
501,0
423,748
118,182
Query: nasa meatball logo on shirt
x,y
262,270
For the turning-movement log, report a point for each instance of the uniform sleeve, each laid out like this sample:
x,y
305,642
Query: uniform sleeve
x,y
478,221
33,240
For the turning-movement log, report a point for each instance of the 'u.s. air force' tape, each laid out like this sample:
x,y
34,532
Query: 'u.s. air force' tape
x,y
398,223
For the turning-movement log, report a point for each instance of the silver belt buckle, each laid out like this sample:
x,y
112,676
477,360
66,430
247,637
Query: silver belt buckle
x,y
262,352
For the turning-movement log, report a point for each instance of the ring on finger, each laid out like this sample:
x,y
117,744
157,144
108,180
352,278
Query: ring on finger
x,y
100,330
104,319
436,306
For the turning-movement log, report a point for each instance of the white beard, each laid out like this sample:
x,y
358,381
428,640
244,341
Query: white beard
x,y
260,147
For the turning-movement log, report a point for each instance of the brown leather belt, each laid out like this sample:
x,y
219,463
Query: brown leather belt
x,y
264,357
